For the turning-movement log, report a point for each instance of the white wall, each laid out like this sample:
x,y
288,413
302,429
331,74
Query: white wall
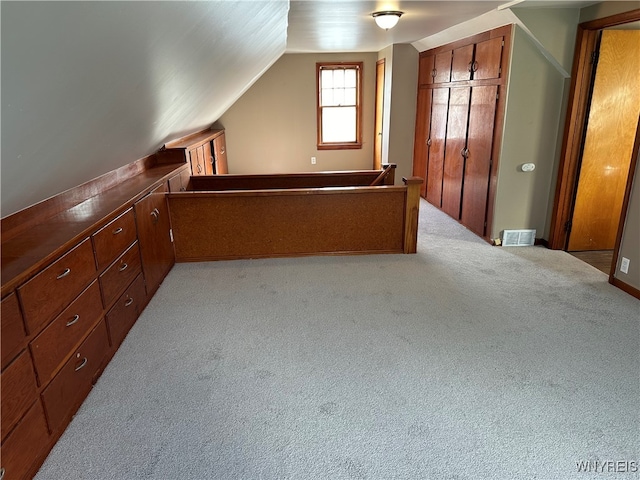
x,y
90,86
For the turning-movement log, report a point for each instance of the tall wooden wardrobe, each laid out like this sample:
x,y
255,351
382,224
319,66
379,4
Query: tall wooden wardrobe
x,y
460,112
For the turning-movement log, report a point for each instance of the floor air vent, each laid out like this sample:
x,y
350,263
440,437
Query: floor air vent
x,y
518,238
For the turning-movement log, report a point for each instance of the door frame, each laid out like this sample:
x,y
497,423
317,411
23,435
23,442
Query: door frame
x,y
379,116
574,131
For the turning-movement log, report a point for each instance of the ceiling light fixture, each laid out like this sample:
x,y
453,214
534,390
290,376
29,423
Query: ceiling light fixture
x,y
387,19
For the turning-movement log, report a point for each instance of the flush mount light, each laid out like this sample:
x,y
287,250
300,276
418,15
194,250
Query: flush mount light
x,y
387,19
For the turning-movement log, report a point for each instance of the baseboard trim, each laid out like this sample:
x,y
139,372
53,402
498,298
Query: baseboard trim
x,y
616,282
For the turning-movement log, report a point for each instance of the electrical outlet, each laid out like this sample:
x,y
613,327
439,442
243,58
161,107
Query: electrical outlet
x,y
624,265
313,160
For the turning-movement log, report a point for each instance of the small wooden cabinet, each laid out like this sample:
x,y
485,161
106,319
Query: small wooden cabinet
x,y
155,237
205,152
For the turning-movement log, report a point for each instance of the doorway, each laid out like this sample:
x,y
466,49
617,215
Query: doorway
x,y
377,142
593,178
603,170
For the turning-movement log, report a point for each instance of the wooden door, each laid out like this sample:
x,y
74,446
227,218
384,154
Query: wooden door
x,y
487,59
482,113
426,67
610,134
421,140
154,236
442,67
377,141
454,151
462,63
437,139
220,155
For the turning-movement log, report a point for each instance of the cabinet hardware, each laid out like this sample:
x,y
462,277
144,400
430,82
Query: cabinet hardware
x,y
81,366
222,152
464,152
157,211
75,319
470,67
475,66
2,473
66,272
117,230
428,142
155,217
434,72
123,267
128,302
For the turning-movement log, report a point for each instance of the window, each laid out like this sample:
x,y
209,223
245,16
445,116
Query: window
x,y
339,89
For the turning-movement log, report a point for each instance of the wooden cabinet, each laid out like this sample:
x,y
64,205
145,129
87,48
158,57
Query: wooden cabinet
x,y
59,280
205,152
180,182
220,155
155,238
458,124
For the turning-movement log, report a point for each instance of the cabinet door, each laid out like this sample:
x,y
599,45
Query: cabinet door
x,y
462,63
154,238
420,146
196,157
442,67
207,158
455,151
488,58
482,113
425,72
180,182
438,132
220,152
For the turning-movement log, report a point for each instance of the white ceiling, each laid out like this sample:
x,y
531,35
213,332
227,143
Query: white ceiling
x,y
343,26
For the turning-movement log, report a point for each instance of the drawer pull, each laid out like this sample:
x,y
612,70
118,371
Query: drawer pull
x,y
81,366
123,267
117,230
66,272
128,302
1,473
73,320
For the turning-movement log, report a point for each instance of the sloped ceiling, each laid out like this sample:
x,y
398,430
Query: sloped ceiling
x,y
91,86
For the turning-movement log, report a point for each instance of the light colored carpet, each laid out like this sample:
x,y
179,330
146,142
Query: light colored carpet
x,y
464,361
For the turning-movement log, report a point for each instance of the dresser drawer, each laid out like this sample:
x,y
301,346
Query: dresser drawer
x,y
25,445
18,391
12,334
113,238
48,293
68,389
62,336
120,274
126,311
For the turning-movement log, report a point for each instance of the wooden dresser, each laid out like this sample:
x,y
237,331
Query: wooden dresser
x,y
77,271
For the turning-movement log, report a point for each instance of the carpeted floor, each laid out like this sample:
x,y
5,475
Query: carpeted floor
x,y
464,361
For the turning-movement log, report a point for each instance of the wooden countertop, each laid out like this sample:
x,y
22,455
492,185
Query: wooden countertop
x,y
26,252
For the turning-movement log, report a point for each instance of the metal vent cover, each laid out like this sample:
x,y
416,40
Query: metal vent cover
x,y
518,238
